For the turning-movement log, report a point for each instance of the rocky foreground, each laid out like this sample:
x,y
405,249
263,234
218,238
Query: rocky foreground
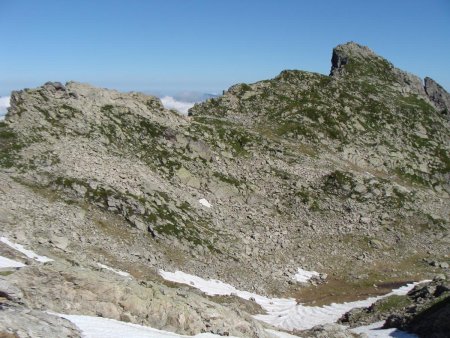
x,y
423,311
346,174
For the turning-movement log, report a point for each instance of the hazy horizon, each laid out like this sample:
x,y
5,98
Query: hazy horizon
x,y
207,46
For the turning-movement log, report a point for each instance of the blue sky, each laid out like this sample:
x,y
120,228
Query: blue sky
x,y
208,45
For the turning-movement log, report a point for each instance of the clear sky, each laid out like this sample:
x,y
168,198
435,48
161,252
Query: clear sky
x,y
208,45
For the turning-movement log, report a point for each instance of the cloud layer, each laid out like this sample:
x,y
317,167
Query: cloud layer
x,y
170,103
4,104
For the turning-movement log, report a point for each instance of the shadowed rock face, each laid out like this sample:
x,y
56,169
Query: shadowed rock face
x,y
349,51
438,96
428,313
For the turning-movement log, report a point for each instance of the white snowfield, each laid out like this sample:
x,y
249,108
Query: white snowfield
x,y
99,327
205,202
118,272
9,263
284,313
28,253
375,331
303,276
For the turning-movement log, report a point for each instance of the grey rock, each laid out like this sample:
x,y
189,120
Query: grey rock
x,y
55,86
186,177
329,331
60,242
443,265
342,54
65,288
9,291
438,95
18,321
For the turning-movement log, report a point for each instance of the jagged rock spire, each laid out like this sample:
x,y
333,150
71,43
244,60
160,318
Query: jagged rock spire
x,y
438,95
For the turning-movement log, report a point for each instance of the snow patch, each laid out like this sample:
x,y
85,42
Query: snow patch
x,y
28,253
280,334
9,263
284,313
375,331
303,276
170,103
119,272
205,203
98,327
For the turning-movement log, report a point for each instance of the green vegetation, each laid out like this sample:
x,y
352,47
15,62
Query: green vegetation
x,y
412,178
245,87
68,182
391,304
6,273
444,161
135,134
228,179
398,199
296,128
69,111
315,206
373,67
107,108
304,195
9,146
415,103
339,183
164,220
237,139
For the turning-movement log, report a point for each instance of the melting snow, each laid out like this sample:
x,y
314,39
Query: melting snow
x,y
204,202
284,313
98,327
28,253
121,273
303,276
375,331
9,263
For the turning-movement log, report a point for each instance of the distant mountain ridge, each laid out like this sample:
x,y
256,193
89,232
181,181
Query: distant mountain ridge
x,y
193,96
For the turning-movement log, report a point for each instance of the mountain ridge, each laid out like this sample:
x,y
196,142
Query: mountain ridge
x,y
347,175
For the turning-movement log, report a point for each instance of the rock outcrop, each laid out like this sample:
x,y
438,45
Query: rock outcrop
x,y
423,311
438,96
428,314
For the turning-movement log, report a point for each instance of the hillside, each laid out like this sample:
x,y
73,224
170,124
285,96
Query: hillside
x,y
346,174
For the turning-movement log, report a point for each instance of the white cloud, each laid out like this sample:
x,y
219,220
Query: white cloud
x,y
170,103
191,96
4,104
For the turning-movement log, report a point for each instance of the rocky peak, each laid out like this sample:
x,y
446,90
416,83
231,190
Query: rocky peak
x,y
355,62
53,107
352,52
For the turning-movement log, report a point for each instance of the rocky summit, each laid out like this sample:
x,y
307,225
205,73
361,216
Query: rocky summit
x,y
346,174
